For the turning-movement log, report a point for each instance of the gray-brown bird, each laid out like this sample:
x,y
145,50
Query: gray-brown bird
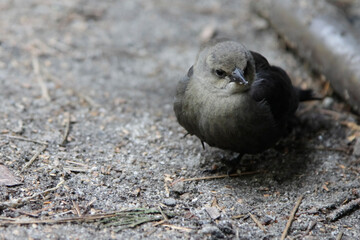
x,y
232,99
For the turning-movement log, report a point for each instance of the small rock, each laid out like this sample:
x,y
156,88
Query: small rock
x,y
328,102
185,196
268,220
19,128
53,173
178,187
170,202
260,23
213,212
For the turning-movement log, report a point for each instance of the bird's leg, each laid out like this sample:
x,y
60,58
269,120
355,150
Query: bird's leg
x,y
186,135
202,142
203,145
233,164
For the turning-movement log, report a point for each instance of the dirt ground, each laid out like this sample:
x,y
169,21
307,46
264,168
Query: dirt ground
x,y
105,73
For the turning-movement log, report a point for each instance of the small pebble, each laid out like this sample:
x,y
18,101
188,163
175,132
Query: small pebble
x,y
260,23
170,202
328,102
207,33
213,212
178,187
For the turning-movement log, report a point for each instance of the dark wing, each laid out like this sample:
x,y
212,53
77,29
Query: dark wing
x,y
274,86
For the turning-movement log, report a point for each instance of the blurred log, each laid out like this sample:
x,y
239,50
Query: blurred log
x,y
321,35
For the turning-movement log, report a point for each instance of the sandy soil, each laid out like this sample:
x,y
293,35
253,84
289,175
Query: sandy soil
x,y
105,71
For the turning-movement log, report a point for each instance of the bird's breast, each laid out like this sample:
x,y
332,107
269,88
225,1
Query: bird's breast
x,y
235,122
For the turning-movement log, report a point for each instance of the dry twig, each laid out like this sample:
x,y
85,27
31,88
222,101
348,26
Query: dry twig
x,y
167,179
291,218
88,205
67,129
332,149
310,227
88,99
221,176
339,236
34,157
44,90
159,223
238,216
343,210
163,214
6,218
258,223
76,208
24,139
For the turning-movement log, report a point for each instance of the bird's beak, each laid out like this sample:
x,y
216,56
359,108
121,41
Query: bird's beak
x,y
238,76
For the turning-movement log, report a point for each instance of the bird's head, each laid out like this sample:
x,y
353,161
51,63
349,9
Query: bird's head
x,y
226,65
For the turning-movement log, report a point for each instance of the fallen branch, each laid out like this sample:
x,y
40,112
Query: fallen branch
x,y
343,210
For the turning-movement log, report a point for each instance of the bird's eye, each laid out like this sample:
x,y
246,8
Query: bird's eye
x,y
220,73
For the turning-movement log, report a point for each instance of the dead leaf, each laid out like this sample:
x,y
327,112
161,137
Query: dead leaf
x,y
7,178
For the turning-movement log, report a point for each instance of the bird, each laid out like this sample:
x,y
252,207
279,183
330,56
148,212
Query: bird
x,y
232,98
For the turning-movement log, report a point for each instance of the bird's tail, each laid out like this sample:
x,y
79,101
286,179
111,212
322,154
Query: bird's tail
x,y
307,95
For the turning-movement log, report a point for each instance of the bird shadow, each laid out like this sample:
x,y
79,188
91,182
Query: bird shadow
x,y
288,159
